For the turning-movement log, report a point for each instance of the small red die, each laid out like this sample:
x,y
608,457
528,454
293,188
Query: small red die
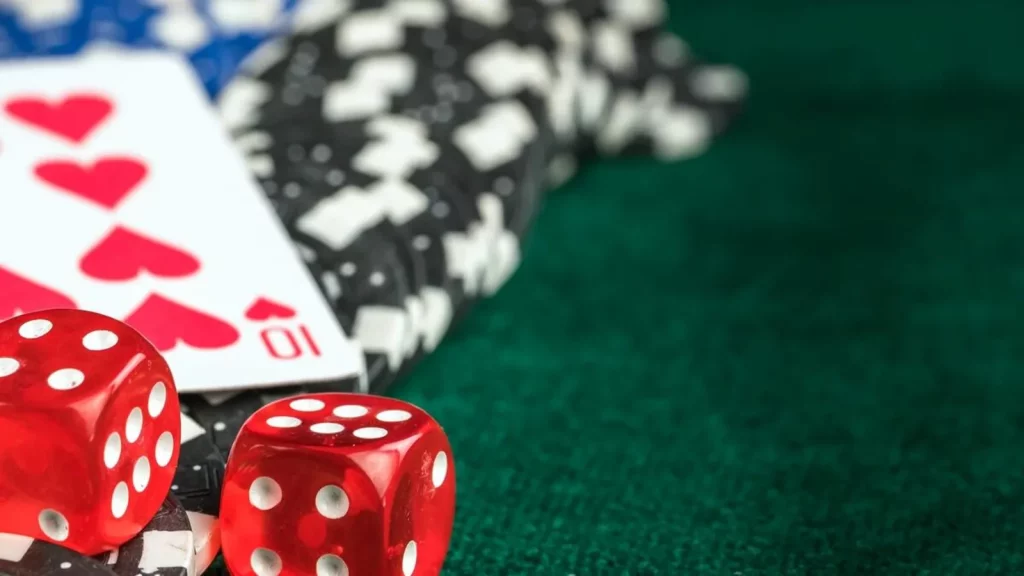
x,y
89,429
338,485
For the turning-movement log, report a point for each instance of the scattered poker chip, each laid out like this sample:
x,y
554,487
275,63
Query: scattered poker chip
x,y
24,556
165,547
647,94
197,486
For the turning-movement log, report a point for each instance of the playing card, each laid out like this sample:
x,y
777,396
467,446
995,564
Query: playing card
x,y
121,193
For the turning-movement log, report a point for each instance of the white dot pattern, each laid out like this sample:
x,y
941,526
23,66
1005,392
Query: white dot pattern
x,y
54,525
332,502
265,562
283,422
370,433
326,428
394,416
264,493
112,450
8,366
133,426
35,329
119,501
164,449
99,340
440,469
140,474
350,411
157,399
66,379
331,565
346,411
307,405
409,559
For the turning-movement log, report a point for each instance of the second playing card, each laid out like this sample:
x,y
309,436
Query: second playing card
x,y
147,213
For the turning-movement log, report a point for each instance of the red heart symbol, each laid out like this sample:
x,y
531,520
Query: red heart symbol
x,y
264,309
165,323
74,117
123,255
19,295
106,182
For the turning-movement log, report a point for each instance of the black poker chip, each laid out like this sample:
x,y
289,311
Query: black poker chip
x,y
338,70
197,485
446,228
493,136
384,162
200,474
165,547
372,290
482,94
391,158
369,271
24,556
483,106
656,97
683,91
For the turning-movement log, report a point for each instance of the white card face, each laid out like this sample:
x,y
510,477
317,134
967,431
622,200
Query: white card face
x,y
121,193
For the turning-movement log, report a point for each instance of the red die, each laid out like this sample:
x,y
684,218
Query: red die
x,y
89,429
338,485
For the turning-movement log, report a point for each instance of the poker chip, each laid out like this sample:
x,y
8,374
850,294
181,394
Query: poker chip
x,y
370,273
197,486
385,171
493,147
31,28
370,287
648,94
215,35
165,547
24,556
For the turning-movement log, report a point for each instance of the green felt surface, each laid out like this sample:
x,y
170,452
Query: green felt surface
x,y
798,354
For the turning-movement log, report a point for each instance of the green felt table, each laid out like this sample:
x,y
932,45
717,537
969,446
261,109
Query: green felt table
x,y
798,354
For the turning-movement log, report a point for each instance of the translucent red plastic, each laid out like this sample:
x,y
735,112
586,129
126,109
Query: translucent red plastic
x,y
89,429
338,485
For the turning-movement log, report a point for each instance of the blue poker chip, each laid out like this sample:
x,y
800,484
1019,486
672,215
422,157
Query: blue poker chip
x,y
214,35
33,28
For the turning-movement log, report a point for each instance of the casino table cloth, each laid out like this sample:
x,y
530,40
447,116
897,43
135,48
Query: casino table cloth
x,y
797,354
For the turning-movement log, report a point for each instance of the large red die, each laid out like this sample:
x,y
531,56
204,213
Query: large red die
x,y
338,485
89,429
